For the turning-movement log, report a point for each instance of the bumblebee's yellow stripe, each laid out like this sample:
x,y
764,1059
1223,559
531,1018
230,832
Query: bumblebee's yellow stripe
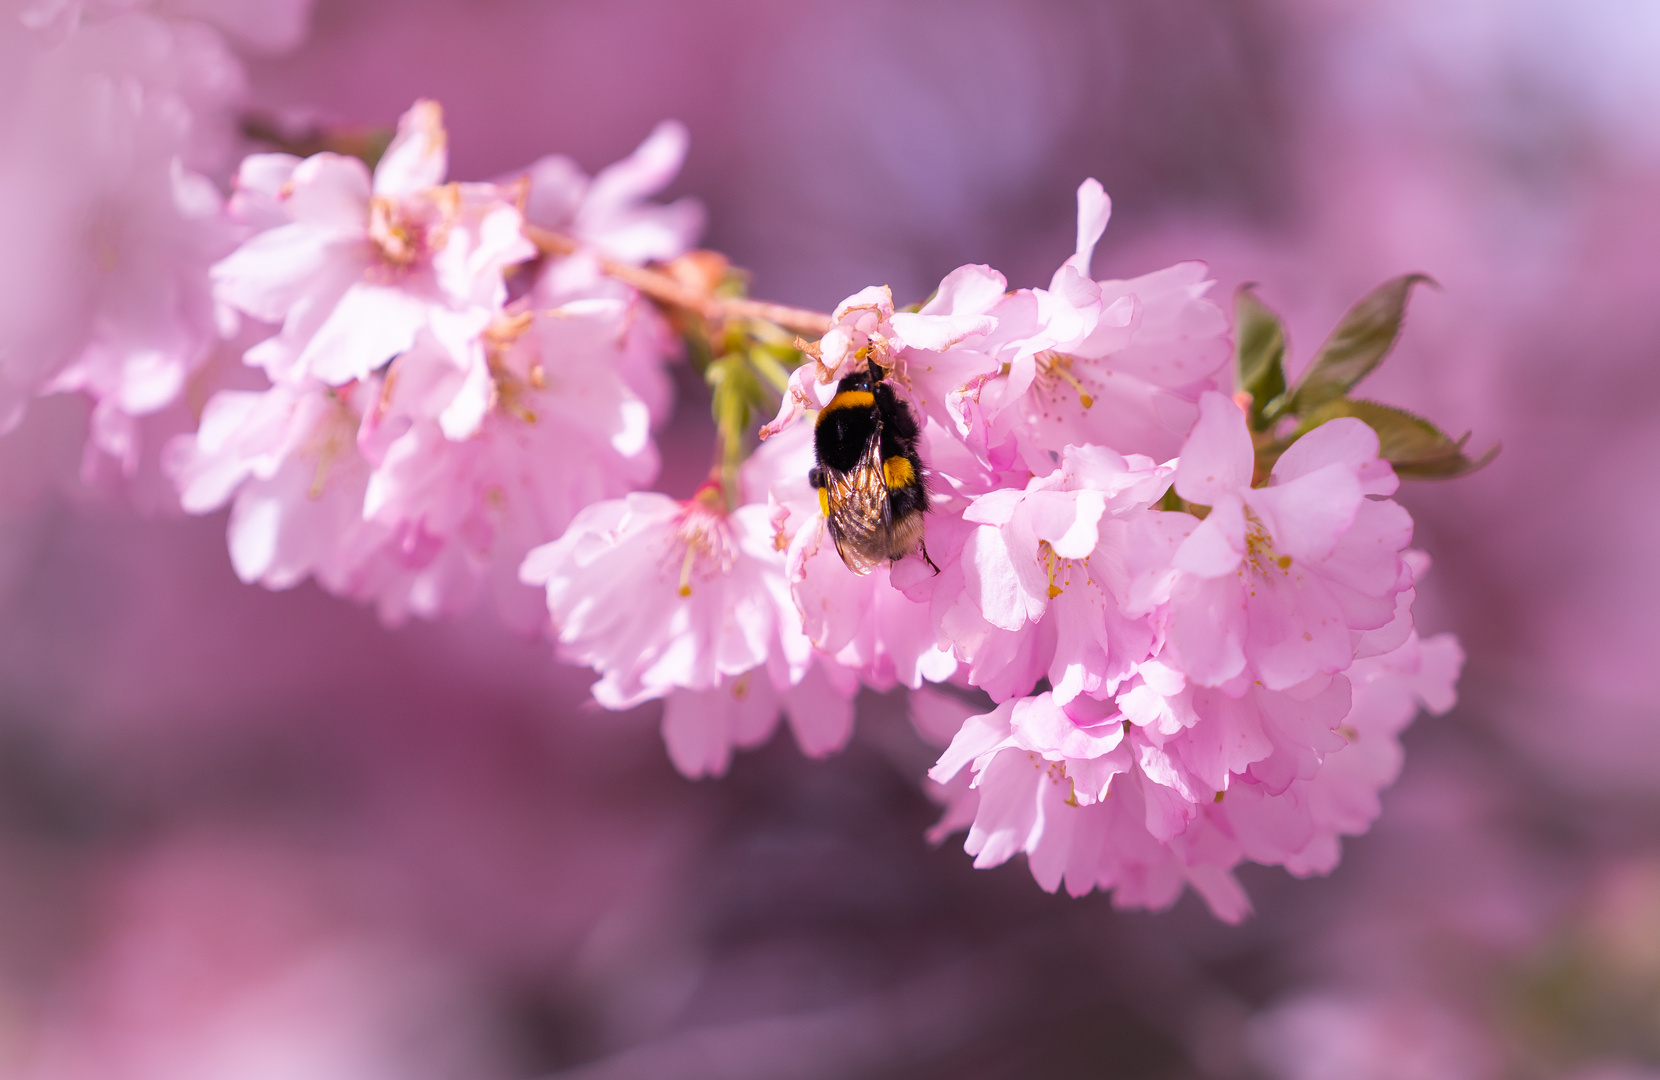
x,y
849,399
897,472
824,500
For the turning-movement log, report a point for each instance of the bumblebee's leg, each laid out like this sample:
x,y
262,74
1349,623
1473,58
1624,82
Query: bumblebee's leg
x,y
815,476
923,547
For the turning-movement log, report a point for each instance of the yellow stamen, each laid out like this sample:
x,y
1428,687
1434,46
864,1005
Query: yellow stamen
x,y
1059,365
686,570
1051,564
393,234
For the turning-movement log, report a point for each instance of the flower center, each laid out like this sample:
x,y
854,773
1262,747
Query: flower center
x,y
1056,381
404,231
710,548
398,237
512,390
1060,570
1260,559
1056,772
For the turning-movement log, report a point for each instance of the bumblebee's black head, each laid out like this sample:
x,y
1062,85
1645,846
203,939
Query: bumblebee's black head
x,y
861,380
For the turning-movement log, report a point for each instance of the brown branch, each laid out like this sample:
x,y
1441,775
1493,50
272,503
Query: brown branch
x,y
667,290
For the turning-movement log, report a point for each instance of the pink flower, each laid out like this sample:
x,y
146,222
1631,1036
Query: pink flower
x,y
655,593
1174,783
1127,360
1388,692
608,213
268,25
865,622
1110,363
562,430
609,216
386,507
1020,375
689,602
109,226
1034,598
157,326
364,264
701,728
288,458
1276,583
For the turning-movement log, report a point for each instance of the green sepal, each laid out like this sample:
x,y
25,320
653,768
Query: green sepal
x,y
737,393
1259,356
1360,342
1416,448
774,365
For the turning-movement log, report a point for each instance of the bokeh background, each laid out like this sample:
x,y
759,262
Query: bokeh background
x,y
256,836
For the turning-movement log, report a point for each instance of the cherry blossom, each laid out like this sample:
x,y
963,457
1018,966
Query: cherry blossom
x,y
608,213
1116,795
1126,360
1033,599
418,522
1023,374
701,728
563,430
365,263
287,460
657,594
110,223
478,430
685,601
1276,580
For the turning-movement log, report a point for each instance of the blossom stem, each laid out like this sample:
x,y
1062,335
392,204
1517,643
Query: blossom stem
x,y
665,289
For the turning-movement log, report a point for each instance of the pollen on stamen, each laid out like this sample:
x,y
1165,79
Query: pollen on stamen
x,y
1051,563
1054,365
396,238
686,570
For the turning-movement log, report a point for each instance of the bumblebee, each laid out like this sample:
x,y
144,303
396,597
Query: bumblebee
x,y
870,480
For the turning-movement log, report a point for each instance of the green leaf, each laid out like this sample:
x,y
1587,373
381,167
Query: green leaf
x,y
1259,354
1415,447
1358,345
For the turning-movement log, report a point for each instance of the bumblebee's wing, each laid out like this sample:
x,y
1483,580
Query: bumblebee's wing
x,y
860,517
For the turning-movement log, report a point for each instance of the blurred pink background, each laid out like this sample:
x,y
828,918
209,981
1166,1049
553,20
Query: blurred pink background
x,y
255,835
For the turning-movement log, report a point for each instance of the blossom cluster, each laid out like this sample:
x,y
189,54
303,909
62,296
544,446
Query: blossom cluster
x,y
1191,665
441,398
1186,616
119,116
